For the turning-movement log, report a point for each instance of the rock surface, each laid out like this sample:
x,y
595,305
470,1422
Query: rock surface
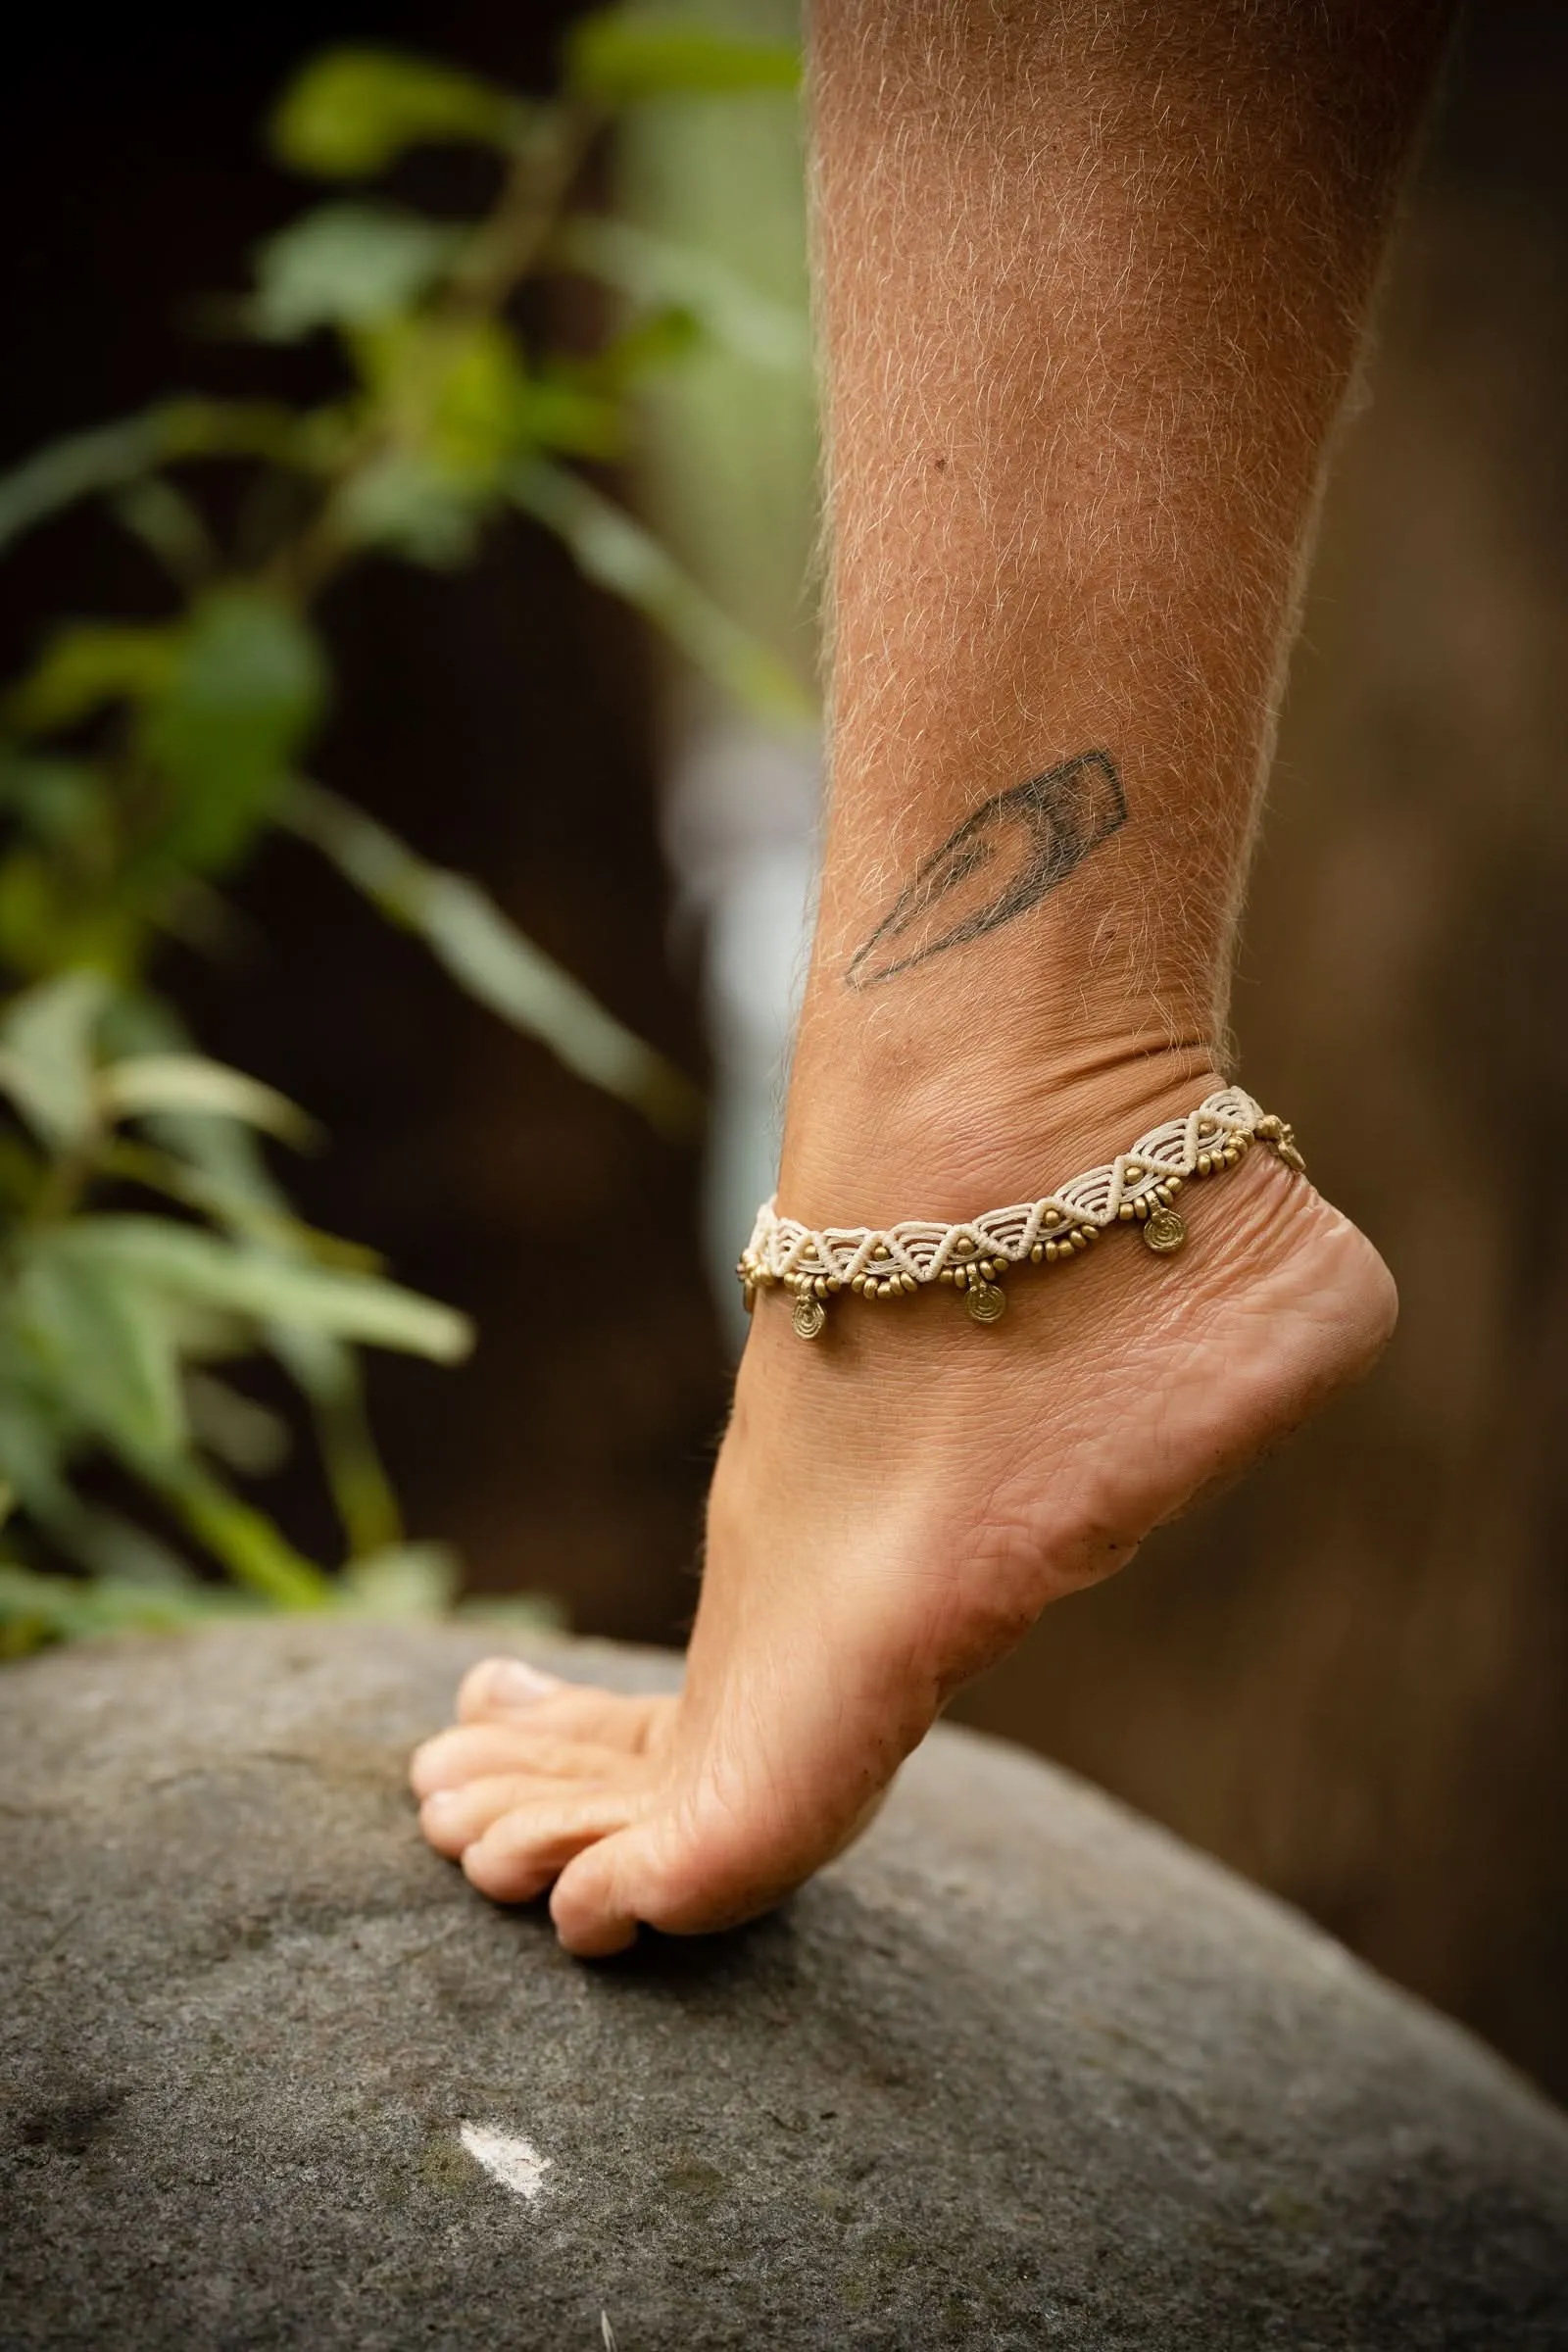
x,y
1019,2071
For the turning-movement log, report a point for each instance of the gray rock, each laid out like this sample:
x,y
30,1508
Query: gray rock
x,y
1018,2072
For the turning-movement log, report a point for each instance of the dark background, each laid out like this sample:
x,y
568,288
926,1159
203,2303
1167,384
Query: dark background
x,y
1345,1678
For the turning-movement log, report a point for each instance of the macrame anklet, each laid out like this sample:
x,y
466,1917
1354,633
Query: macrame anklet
x,y
1137,1188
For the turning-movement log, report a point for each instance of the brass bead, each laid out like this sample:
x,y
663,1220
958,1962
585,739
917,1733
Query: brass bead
x,y
881,1253
1038,1253
1174,1185
857,1283
820,1285
910,1282
1141,1210
1052,1252
1125,1212
1053,1216
946,1276
1204,1163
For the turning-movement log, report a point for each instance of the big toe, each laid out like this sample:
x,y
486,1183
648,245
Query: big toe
x,y
665,1872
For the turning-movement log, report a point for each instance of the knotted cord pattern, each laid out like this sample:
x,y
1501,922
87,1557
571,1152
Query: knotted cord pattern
x,y
917,1252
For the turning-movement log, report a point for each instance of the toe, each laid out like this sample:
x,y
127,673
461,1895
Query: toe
x,y
685,1868
592,1907
530,1845
454,1819
464,1753
493,1693
503,1686
650,1875
472,1751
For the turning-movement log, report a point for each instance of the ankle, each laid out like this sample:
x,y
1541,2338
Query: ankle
x,y
976,1133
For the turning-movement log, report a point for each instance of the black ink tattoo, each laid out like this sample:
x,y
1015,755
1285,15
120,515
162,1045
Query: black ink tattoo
x,y
1000,862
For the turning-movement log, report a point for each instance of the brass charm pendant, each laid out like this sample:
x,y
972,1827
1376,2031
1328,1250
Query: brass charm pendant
x,y
986,1301
808,1317
1164,1232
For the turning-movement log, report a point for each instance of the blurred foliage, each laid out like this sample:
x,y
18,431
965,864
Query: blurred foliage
x,y
148,1245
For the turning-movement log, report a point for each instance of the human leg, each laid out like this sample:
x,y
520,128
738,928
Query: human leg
x,y
1092,283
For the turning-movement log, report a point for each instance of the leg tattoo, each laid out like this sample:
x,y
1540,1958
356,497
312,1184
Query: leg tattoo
x,y
1000,862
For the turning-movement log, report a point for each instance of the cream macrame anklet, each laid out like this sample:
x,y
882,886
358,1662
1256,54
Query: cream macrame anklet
x,y
1137,1188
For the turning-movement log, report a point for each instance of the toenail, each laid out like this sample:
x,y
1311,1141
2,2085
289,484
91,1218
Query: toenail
x,y
515,1684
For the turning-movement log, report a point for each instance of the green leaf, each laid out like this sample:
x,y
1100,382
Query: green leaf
x,y
87,665
623,55
656,273
107,1351
111,1546
479,412
249,1545
37,1608
170,526
492,960
179,1263
189,1082
403,1580
346,266
458,394
221,1151
57,800
219,1170
47,1060
235,1206
327,1374
244,1436
619,553
249,685
111,456
35,1435
352,112
575,417
407,504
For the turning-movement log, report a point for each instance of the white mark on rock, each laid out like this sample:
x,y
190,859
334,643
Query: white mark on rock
x,y
516,2163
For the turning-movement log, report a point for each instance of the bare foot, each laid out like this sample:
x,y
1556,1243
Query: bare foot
x,y
892,1508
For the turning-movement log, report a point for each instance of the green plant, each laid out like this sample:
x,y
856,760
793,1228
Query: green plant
x,y
147,1239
